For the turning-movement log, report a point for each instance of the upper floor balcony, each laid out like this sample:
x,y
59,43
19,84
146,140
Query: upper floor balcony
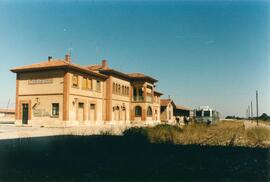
x,y
141,94
138,98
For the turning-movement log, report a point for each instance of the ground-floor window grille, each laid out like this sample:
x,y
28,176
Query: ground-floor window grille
x,y
55,109
138,111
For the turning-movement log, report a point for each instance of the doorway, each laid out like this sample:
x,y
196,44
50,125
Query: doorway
x,y
92,112
24,113
81,111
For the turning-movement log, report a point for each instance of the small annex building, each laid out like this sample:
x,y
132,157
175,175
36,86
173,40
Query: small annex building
x,y
180,112
166,110
171,113
7,114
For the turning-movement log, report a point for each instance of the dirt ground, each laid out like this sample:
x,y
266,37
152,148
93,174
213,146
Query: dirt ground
x,y
9,131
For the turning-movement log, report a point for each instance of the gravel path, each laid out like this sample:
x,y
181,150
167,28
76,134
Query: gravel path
x,y
10,131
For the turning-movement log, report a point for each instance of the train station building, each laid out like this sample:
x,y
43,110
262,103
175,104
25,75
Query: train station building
x,y
57,92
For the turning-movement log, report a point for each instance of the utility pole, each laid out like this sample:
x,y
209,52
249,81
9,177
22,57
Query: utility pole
x,y
251,111
248,112
8,103
257,107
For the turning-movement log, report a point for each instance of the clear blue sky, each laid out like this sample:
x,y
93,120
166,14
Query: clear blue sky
x,y
202,53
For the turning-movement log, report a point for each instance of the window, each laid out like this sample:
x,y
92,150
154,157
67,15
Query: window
x,y
138,111
127,91
55,109
170,115
123,90
114,88
84,83
89,84
81,105
75,81
149,111
150,87
92,106
98,87
135,91
206,113
199,113
119,89
140,92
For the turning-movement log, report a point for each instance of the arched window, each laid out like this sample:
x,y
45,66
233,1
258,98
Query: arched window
x,y
149,111
114,88
123,90
138,111
119,89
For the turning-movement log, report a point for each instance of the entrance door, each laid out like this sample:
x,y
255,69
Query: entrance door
x,y
81,112
25,113
117,113
92,112
124,115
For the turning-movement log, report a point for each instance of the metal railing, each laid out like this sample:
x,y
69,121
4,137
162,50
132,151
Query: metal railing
x,y
138,98
149,99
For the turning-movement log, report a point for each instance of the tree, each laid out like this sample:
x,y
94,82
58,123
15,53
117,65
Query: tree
x,y
264,117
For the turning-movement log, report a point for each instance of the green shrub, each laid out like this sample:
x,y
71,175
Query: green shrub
x,y
159,134
163,133
136,133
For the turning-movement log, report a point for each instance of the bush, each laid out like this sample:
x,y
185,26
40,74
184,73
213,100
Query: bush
x,y
264,117
136,134
159,134
163,133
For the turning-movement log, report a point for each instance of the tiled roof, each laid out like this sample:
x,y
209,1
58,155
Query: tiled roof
x,y
107,71
94,67
158,93
136,75
183,108
45,64
165,102
140,76
96,70
56,63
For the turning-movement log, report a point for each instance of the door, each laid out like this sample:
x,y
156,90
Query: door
x,y
124,115
92,112
25,113
81,112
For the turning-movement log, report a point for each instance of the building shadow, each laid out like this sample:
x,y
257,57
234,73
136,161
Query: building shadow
x,y
118,158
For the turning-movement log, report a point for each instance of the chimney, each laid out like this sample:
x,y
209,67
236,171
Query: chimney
x,y
104,64
50,58
67,58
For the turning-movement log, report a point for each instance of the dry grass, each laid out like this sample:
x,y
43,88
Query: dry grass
x,y
258,136
163,133
225,133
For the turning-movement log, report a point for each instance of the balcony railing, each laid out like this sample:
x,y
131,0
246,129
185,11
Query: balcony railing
x,y
149,99
138,98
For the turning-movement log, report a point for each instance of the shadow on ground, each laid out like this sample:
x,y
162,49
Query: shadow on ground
x,y
116,158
